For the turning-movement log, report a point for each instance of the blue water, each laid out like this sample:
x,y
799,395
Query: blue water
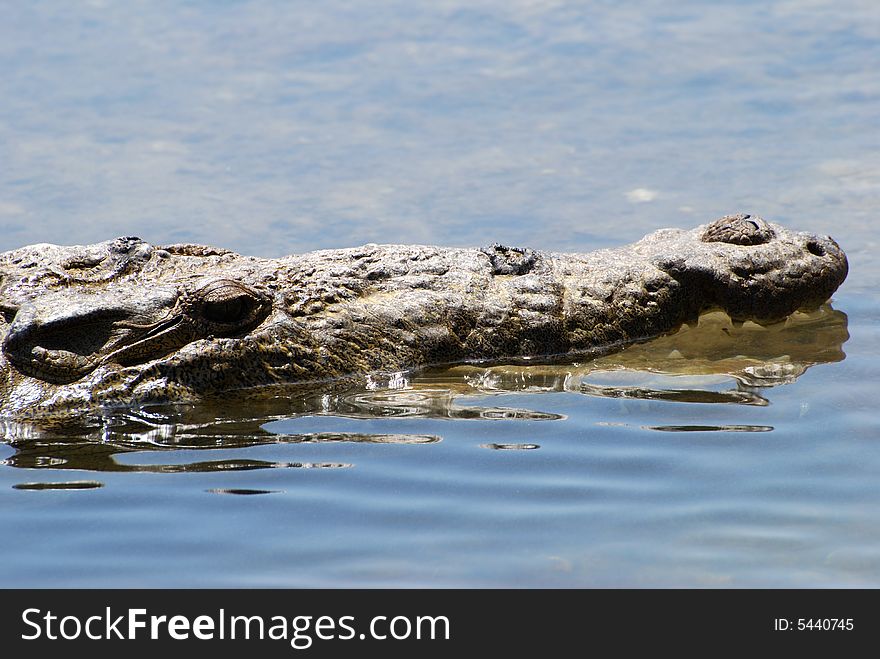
x,y
278,127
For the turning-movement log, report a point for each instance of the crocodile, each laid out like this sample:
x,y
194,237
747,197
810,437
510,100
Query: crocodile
x,y
125,322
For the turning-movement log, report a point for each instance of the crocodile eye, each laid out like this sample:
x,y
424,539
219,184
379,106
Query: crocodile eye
x,y
231,305
229,310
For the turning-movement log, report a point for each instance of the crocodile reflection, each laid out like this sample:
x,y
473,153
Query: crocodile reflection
x,y
754,357
714,362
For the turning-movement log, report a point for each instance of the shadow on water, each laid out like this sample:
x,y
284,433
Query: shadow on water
x,y
715,362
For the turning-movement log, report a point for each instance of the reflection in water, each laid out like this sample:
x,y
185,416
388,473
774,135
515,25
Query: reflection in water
x,y
424,402
98,456
737,396
242,491
232,465
715,362
68,485
511,447
728,428
753,356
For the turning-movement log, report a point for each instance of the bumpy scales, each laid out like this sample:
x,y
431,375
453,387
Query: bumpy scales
x,y
123,321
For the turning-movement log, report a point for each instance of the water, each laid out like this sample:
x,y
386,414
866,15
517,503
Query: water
x,y
720,457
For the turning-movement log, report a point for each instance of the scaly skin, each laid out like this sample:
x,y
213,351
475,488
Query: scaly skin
x,y
122,322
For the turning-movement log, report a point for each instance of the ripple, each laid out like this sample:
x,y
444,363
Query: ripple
x,y
697,428
511,447
426,403
734,397
771,374
234,465
67,485
358,438
241,491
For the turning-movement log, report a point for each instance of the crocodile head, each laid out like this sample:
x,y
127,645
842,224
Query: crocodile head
x,y
83,322
123,321
60,338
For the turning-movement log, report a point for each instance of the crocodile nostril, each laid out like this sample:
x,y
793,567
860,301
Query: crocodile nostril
x,y
741,229
815,248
